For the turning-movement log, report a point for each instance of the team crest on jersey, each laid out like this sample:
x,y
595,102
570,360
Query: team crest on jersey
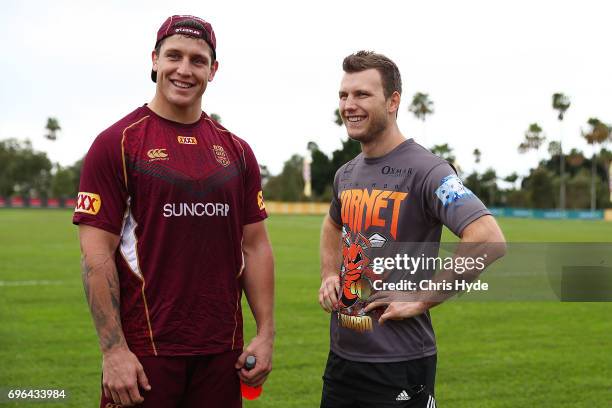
x,y
220,155
157,154
88,203
260,200
187,140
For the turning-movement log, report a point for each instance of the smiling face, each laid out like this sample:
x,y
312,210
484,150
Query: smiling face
x,y
363,106
184,67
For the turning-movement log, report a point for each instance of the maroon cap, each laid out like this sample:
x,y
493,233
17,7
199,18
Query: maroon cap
x,y
191,26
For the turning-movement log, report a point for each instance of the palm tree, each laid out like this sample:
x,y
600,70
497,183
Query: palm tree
x,y
533,139
477,154
561,103
511,178
489,180
52,127
421,106
444,151
575,158
599,133
554,148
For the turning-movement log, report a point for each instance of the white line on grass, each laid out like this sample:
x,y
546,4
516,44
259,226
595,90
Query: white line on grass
x,y
31,283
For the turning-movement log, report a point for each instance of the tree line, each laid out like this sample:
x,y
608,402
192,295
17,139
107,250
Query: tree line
x,y
560,180
564,180
30,174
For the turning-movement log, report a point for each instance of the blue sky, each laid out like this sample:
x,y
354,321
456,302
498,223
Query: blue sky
x,y
489,66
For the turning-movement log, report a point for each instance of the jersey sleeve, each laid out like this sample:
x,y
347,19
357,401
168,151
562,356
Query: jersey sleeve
x,y
335,209
102,198
446,199
254,206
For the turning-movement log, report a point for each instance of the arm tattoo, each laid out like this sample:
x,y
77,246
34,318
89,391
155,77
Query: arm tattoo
x,y
101,285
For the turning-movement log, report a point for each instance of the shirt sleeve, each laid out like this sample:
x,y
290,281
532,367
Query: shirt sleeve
x,y
335,209
254,206
102,198
446,199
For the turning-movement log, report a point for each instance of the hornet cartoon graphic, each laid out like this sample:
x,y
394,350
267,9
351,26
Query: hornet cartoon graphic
x,y
355,270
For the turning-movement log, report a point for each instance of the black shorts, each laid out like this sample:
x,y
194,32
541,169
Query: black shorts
x,y
353,384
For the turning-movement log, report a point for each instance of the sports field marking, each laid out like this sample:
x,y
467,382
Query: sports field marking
x,y
32,283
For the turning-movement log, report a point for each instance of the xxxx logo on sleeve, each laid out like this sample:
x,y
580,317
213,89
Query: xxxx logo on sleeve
x,y
260,200
88,203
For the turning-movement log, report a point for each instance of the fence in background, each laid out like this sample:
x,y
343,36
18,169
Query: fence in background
x,y
550,214
21,202
310,208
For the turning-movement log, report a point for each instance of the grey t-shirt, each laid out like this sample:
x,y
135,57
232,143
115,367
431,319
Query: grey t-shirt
x,y
383,204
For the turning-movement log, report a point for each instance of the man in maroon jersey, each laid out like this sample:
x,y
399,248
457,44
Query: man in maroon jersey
x,y
171,225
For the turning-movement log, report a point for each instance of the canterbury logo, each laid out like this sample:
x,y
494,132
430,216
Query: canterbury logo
x,y
187,140
88,203
158,154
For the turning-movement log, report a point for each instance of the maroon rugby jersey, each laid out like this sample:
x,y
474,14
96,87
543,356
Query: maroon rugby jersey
x,y
179,196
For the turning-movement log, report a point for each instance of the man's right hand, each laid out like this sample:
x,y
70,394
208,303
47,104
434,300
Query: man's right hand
x,y
328,293
122,373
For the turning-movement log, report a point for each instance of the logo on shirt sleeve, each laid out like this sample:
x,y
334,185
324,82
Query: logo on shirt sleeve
x,y
260,200
452,189
88,203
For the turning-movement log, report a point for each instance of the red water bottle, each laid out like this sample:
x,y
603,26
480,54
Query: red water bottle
x,y
247,391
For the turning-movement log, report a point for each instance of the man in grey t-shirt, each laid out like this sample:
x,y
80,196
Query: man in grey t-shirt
x,y
393,197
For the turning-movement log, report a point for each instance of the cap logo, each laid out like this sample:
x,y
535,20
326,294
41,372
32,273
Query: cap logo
x,y
188,31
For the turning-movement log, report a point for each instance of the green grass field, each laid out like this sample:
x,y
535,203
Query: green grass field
x,y
494,354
